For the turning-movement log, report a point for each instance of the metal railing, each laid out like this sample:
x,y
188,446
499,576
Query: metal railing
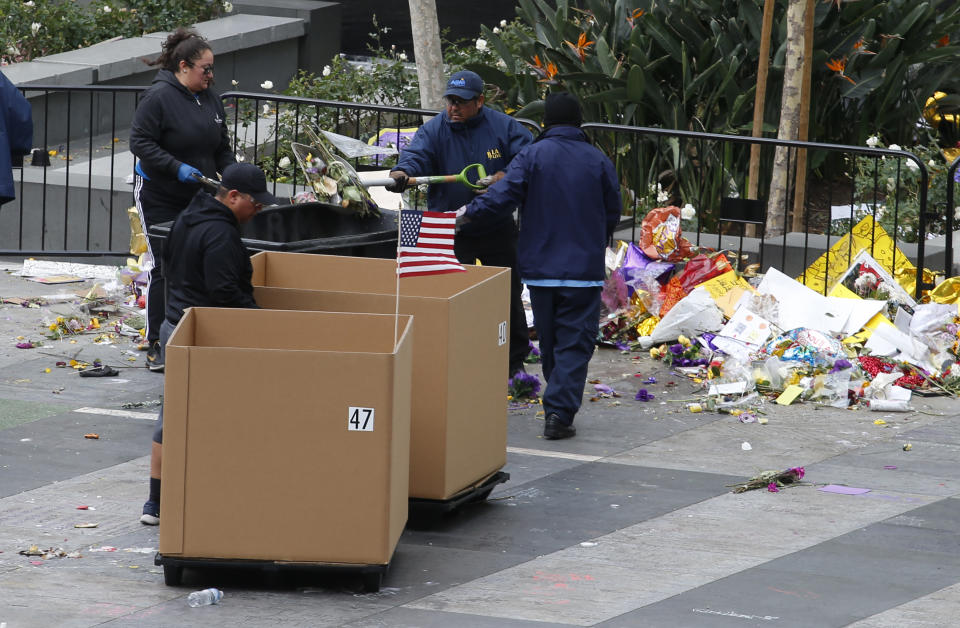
x,y
76,206
709,170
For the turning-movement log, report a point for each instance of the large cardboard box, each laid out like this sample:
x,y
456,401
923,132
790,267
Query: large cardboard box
x,y
286,436
458,432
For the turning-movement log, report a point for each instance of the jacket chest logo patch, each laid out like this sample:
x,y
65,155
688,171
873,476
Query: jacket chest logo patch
x,y
494,153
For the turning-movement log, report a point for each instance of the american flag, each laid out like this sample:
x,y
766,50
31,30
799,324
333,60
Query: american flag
x,y
426,244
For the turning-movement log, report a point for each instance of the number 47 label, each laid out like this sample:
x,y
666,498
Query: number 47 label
x,y
360,419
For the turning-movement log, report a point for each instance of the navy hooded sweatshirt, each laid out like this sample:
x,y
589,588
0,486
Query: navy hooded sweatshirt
x,y
205,263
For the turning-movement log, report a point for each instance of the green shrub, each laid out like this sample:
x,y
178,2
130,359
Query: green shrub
x,y
37,28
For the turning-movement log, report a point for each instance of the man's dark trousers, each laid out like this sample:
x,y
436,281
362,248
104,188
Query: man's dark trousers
x,y
499,248
567,322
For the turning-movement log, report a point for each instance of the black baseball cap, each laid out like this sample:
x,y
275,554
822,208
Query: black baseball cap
x,y
464,84
249,179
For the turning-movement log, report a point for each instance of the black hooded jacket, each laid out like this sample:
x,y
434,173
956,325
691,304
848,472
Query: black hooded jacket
x,y
205,263
171,127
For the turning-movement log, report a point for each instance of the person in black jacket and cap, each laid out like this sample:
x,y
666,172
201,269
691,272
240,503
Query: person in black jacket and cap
x,y
570,204
207,265
179,132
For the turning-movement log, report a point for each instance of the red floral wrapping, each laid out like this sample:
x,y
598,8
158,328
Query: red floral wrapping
x,y
874,365
671,294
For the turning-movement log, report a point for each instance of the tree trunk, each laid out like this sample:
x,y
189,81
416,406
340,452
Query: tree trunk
x,y
789,118
426,49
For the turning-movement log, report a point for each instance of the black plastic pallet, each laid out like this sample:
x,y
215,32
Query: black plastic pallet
x,y
423,510
370,576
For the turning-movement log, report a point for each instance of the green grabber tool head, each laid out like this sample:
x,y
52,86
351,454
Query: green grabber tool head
x,y
462,177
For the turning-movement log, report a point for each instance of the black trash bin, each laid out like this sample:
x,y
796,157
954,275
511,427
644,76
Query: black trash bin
x,y
315,228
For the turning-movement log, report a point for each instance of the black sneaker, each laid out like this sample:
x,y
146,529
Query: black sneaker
x,y
155,357
151,514
554,429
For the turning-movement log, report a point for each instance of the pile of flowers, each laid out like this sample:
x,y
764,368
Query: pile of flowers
x,y
65,326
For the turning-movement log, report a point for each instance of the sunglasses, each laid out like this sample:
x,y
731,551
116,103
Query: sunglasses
x,y
453,101
207,69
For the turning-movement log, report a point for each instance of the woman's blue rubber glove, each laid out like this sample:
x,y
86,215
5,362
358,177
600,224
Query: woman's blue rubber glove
x,y
186,174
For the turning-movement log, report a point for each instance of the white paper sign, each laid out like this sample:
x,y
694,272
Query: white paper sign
x,y
502,334
360,419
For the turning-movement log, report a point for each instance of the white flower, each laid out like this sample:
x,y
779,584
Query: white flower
x,y
266,85
482,44
501,64
284,162
932,163
234,82
266,110
662,195
35,27
239,157
688,212
227,7
496,30
326,70
29,3
956,213
402,56
106,8
873,141
894,147
912,165
891,183
13,50
503,23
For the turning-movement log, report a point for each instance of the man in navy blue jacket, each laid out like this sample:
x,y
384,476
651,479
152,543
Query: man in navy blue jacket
x,y
468,133
16,134
570,205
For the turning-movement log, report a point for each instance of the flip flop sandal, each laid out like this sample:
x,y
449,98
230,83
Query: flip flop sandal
x,y
99,371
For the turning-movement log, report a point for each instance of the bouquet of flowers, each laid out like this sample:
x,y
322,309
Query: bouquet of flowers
x,y
523,386
682,353
773,481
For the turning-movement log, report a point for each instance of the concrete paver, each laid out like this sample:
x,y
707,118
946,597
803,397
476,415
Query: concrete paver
x,y
631,523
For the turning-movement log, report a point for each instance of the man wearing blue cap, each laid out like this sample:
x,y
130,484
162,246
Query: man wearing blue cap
x,y
467,133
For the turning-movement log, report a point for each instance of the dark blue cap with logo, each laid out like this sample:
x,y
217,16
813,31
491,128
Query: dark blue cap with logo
x,y
464,84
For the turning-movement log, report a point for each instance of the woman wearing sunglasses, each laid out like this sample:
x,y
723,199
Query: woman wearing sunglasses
x,y
178,132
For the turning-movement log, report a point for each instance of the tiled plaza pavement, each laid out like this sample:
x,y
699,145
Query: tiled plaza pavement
x,y
631,523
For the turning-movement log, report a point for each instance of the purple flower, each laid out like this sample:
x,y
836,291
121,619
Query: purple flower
x,y
676,349
650,380
685,362
956,175
24,345
623,346
840,364
797,471
643,395
523,385
772,487
603,388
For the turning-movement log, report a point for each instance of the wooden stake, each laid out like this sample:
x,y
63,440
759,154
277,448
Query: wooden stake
x,y
803,129
760,97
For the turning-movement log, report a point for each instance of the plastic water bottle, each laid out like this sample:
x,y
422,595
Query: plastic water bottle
x,y
204,598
